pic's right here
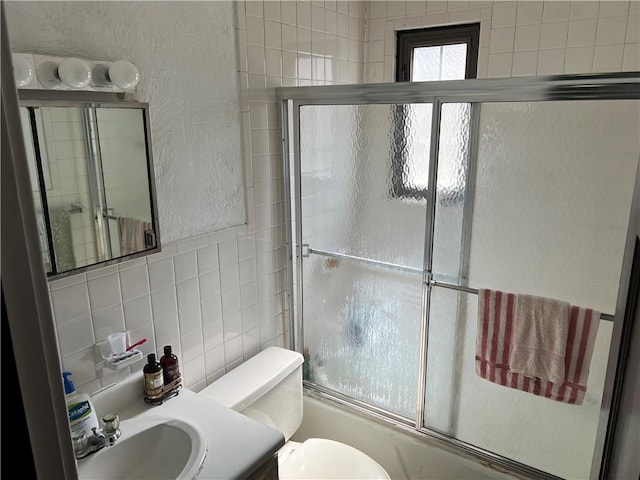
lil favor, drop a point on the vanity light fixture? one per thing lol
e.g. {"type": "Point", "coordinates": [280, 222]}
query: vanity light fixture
{"type": "Point", "coordinates": [74, 73]}
{"type": "Point", "coordinates": [121, 74]}
{"type": "Point", "coordinates": [48, 77]}
{"type": "Point", "coordinates": [71, 73]}
{"type": "Point", "coordinates": [124, 75]}
{"type": "Point", "coordinates": [23, 70]}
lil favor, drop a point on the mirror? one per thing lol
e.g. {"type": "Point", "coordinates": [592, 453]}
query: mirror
{"type": "Point", "coordinates": [91, 173]}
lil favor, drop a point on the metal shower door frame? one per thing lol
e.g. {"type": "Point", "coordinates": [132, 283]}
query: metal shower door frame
{"type": "Point", "coordinates": [475, 92]}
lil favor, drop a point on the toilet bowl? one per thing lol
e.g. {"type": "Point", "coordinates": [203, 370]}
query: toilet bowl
{"type": "Point", "coordinates": [319, 458]}
{"type": "Point", "coordinates": [268, 388]}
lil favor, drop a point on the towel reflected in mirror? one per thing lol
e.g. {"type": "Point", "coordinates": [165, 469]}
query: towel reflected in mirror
{"type": "Point", "coordinates": [131, 234]}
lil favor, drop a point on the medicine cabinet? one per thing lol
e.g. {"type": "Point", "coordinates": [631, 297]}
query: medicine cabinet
{"type": "Point", "coordinates": [91, 171]}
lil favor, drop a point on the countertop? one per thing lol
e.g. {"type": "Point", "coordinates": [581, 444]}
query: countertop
{"type": "Point", "coordinates": [237, 445]}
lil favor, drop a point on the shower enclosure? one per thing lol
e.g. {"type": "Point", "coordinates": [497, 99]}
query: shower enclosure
{"type": "Point", "coordinates": [404, 199]}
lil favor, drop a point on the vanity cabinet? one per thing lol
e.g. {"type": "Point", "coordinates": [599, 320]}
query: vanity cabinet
{"type": "Point", "coordinates": [267, 471]}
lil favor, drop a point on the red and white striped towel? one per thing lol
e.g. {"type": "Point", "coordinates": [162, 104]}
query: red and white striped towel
{"type": "Point", "coordinates": [131, 234]}
{"type": "Point", "coordinates": [496, 312]}
{"type": "Point", "coordinates": [539, 337]}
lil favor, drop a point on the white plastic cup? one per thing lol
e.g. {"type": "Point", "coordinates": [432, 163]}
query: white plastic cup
{"type": "Point", "coordinates": [118, 342]}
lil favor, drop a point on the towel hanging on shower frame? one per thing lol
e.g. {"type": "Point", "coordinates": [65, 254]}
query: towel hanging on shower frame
{"type": "Point", "coordinates": [494, 341]}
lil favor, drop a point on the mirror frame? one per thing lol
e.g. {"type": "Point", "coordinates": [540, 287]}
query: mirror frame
{"type": "Point", "coordinates": [62, 98]}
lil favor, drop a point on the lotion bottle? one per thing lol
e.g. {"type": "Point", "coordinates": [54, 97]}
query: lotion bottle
{"type": "Point", "coordinates": [82, 414]}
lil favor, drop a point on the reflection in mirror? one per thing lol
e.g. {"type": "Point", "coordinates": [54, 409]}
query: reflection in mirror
{"type": "Point", "coordinates": [92, 180]}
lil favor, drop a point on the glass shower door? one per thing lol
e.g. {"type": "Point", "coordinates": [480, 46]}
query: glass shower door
{"type": "Point", "coordinates": [363, 249]}
{"type": "Point", "coordinates": [550, 208]}
{"type": "Point", "coordinates": [402, 211]}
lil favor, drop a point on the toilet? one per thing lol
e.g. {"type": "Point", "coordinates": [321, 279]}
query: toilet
{"type": "Point", "coordinates": [268, 388]}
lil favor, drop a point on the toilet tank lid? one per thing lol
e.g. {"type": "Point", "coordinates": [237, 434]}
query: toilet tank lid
{"type": "Point", "coordinates": [249, 381]}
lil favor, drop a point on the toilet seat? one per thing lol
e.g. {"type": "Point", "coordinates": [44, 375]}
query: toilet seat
{"type": "Point", "coordinates": [319, 458]}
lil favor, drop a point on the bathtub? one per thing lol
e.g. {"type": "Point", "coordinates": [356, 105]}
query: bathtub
{"type": "Point", "coordinates": [402, 454]}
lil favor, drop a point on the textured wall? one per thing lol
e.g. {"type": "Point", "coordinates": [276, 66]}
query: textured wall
{"type": "Point", "coordinates": [217, 298]}
{"type": "Point", "coordinates": [186, 53]}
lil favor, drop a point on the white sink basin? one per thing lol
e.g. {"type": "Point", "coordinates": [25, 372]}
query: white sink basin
{"type": "Point", "coordinates": [150, 447]}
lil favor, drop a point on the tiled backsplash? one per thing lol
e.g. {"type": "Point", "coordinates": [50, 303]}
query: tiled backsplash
{"type": "Point", "coordinates": [217, 299]}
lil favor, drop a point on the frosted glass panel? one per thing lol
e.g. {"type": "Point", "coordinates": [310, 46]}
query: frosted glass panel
{"type": "Point", "coordinates": [362, 322]}
{"type": "Point", "coordinates": [446, 62]}
{"type": "Point", "coordinates": [455, 122]}
{"type": "Point", "coordinates": [426, 64]}
{"type": "Point", "coordinates": [551, 207]}
{"type": "Point", "coordinates": [553, 192]}
{"type": "Point", "coordinates": [454, 61]}
{"type": "Point", "coordinates": [349, 204]}
{"type": "Point", "coordinates": [443, 348]}
{"type": "Point", "coordinates": [414, 130]}
{"type": "Point", "coordinates": [361, 329]}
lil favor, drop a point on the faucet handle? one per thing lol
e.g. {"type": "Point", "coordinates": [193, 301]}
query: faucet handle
{"type": "Point", "coordinates": [80, 442]}
{"type": "Point", "coordinates": [110, 423]}
{"type": "Point", "coordinates": [110, 426]}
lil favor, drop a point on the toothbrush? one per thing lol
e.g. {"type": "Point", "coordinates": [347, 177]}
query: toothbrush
{"type": "Point", "coordinates": [139, 342]}
{"type": "Point", "coordinates": [117, 357]}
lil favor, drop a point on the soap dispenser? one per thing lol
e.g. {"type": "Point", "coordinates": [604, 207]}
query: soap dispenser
{"type": "Point", "coordinates": [82, 414]}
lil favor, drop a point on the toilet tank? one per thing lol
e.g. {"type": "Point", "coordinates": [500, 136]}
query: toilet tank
{"type": "Point", "coordinates": [267, 388]}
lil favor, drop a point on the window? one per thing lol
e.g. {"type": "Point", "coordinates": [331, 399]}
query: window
{"type": "Point", "coordinates": [441, 53]}
{"type": "Point", "coordinates": [429, 54]}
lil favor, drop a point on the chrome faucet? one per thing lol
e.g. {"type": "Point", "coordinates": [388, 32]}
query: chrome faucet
{"type": "Point", "coordinates": [100, 438]}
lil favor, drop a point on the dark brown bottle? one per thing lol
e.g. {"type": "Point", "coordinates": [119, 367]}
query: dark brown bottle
{"type": "Point", "coordinates": [170, 367]}
{"type": "Point", "coordinates": [153, 380]}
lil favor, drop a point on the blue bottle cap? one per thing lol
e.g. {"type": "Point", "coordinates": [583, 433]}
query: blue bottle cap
{"type": "Point", "coordinates": [68, 384]}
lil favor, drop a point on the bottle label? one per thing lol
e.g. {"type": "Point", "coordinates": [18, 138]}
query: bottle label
{"type": "Point", "coordinates": [81, 416]}
{"type": "Point", "coordinates": [171, 373]}
{"type": "Point", "coordinates": [79, 411]}
{"type": "Point", "coordinates": [153, 383]}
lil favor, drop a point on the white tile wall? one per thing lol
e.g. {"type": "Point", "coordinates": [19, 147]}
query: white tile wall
{"type": "Point", "coordinates": [196, 295]}
{"type": "Point", "coordinates": [280, 43]}
{"type": "Point", "coordinates": [219, 298]}
{"type": "Point", "coordinates": [516, 37]}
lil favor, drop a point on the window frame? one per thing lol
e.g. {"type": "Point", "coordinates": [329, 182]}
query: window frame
{"type": "Point", "coordinates": [407, 41]}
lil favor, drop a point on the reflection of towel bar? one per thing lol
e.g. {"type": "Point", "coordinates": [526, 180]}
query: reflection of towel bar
{"type": "Point", "coordinates": [393, 266]}
{"type": "Point", "coordinates": [76, 208]}
{"type": "Point", "coordinates": [105, 214]}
